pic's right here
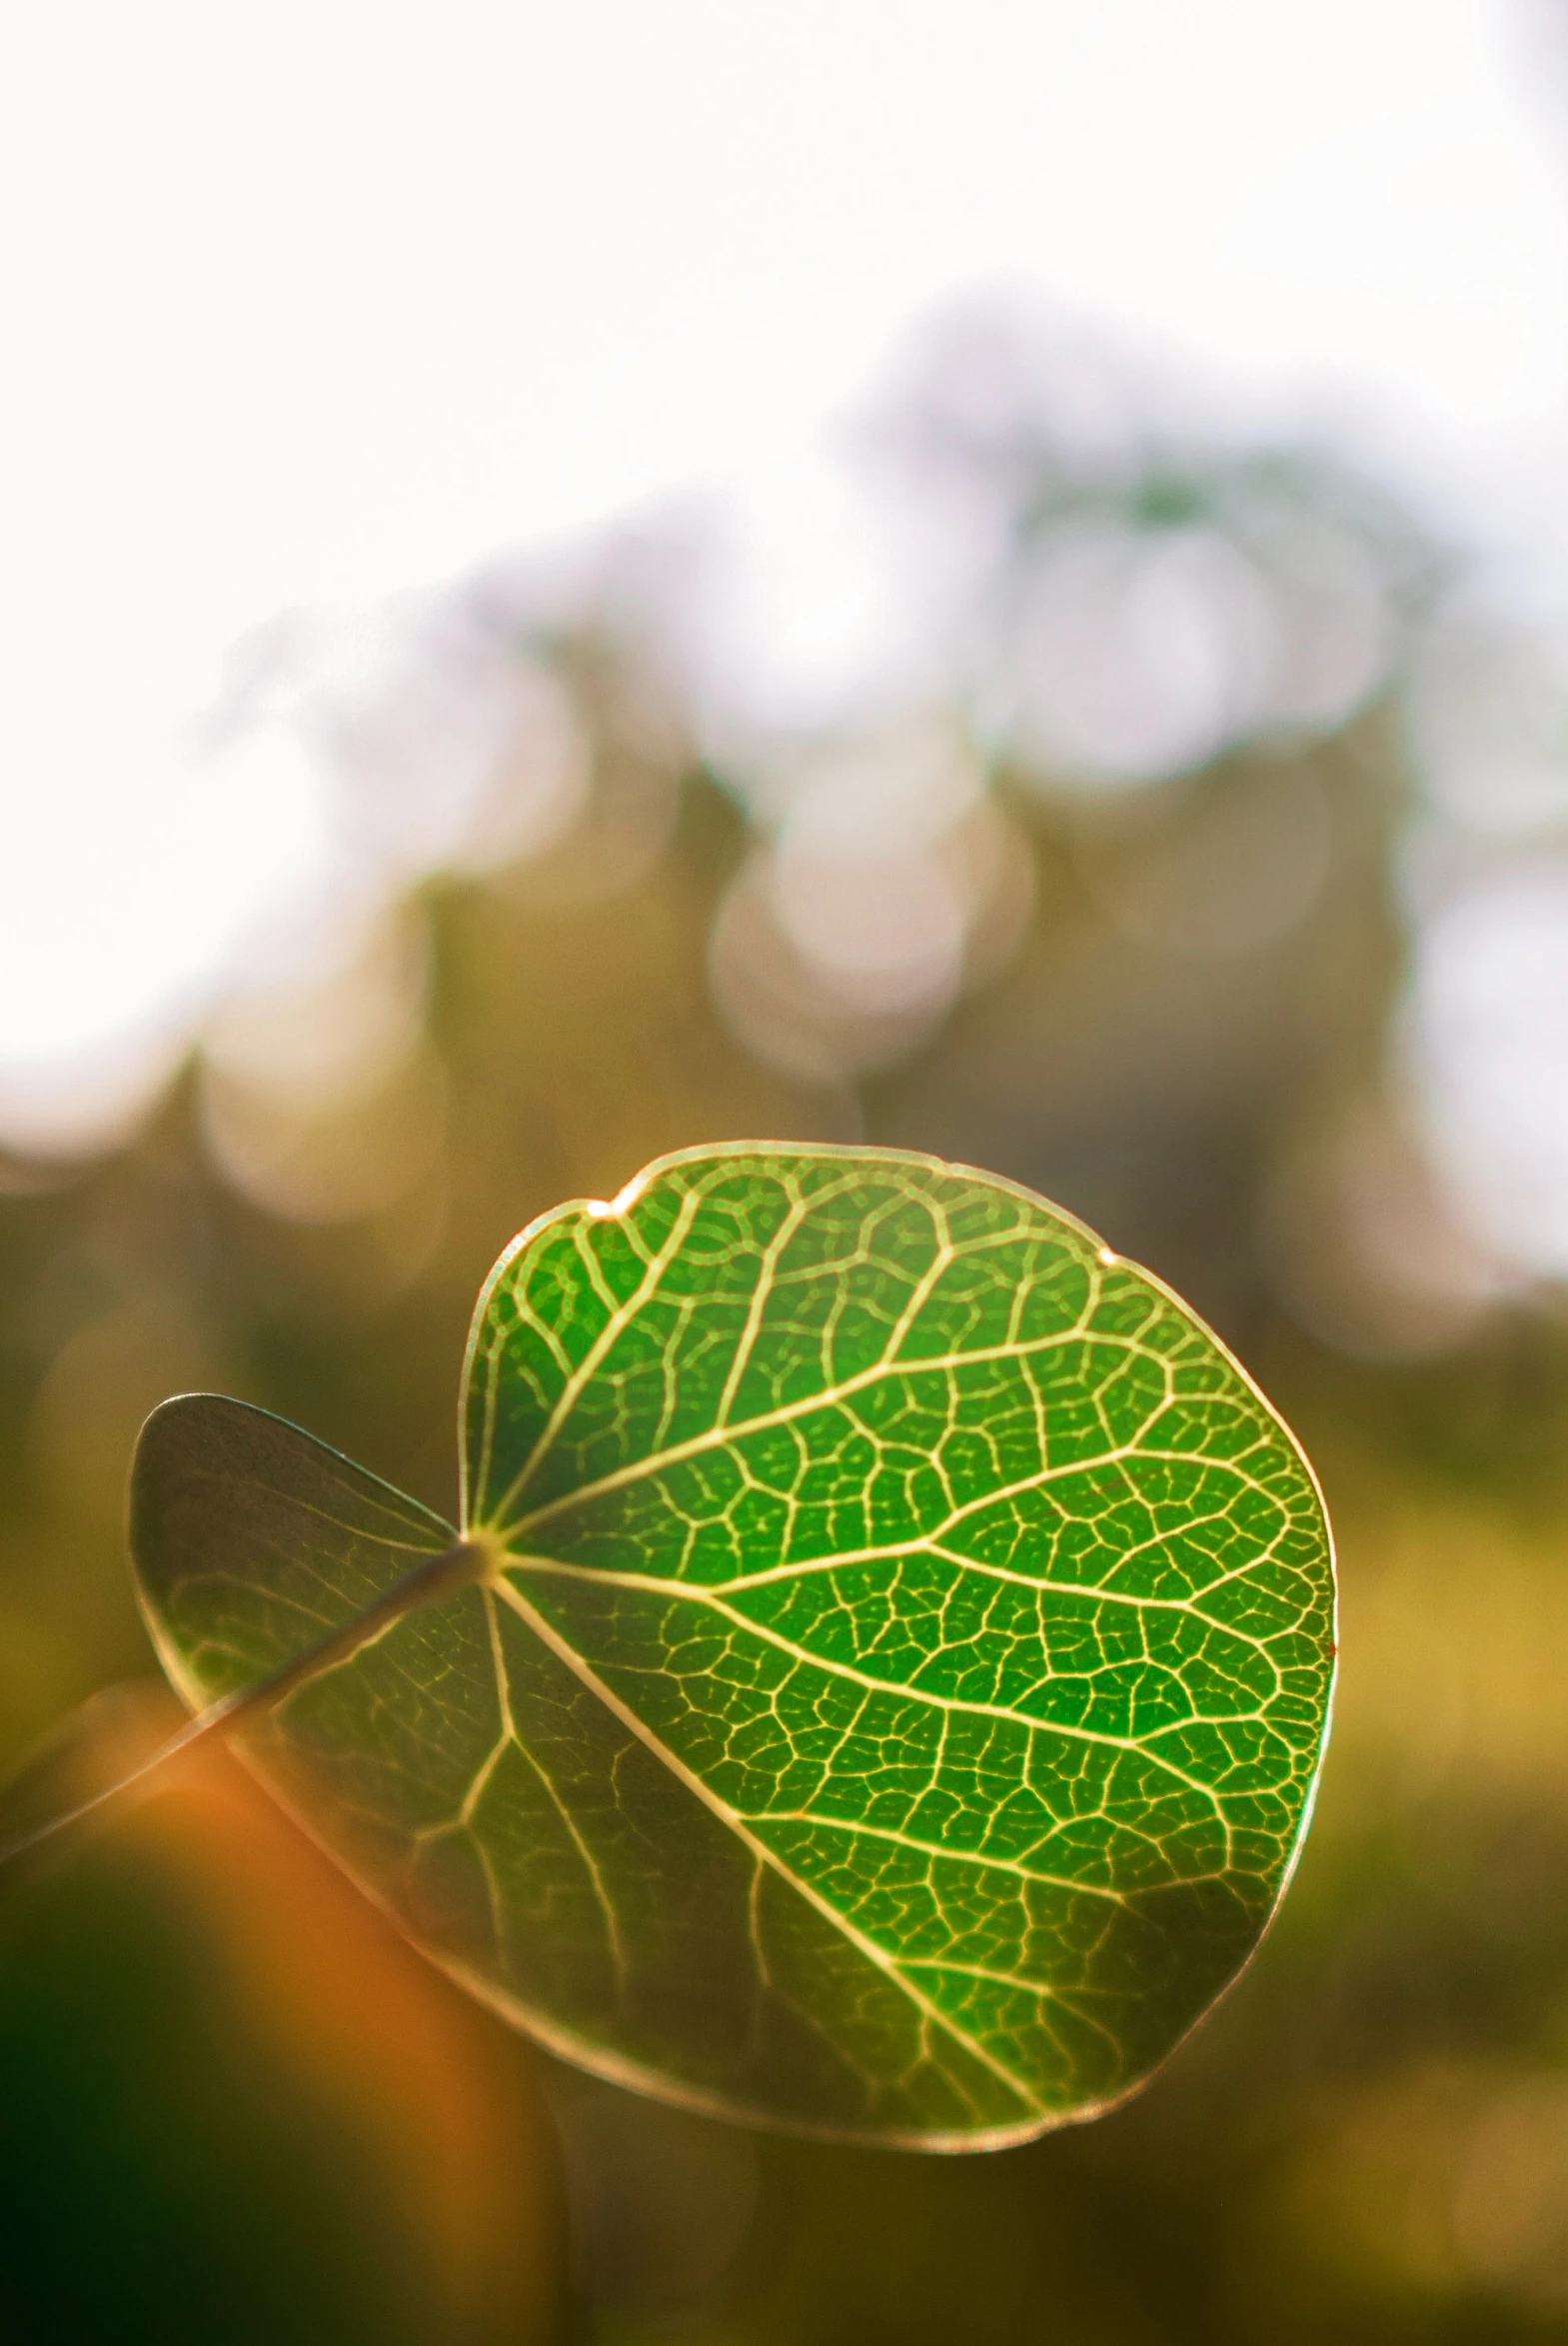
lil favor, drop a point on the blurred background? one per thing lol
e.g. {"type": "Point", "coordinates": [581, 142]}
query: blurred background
{"type": "Point", "coordinates": [989, 580]}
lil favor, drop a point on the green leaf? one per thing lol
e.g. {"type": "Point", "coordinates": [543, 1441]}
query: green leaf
{"type": "Point", "coordinates": [896, 1694]}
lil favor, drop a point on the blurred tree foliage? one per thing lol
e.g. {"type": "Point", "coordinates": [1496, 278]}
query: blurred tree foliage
{"type": "Point", "coordinates": [200, 2132]}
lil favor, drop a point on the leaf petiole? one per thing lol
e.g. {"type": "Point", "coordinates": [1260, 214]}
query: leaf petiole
{"type": "Point", "coordinates": [462, 1565]}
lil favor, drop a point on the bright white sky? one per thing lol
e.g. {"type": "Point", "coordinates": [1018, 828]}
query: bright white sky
{"type": "Point", "coordinates": [311, 303]}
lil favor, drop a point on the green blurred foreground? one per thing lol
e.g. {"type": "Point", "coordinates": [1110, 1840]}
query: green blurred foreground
{"type": "Point", "coordinates": [231, 2105]}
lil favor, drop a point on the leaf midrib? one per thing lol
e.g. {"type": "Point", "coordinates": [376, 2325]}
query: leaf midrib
{"type": "Point", "coordinates": [707, 1592]}
{"type": "Point", "coordinates": [945, 1703]}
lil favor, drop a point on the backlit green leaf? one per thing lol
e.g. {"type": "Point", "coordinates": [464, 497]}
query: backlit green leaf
{"type": "Point", "coordinates": [895, 1697]}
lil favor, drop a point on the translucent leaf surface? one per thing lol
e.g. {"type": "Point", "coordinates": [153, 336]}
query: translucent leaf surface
{"type": "Point", "coordinates": [903, 1673]}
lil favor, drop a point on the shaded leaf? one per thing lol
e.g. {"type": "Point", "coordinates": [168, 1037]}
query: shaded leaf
{"type": "Point", "coordinates": [896, 1699]}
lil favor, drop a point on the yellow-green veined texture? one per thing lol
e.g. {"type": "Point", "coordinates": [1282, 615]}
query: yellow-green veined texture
{"type": "Point", "coordinates": [896, 1698]}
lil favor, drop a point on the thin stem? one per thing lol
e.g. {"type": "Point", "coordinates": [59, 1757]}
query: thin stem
{"type": "Point", "coordinates": [455, 1567]}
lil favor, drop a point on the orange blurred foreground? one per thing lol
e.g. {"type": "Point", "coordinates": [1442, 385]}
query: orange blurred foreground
{"type": "Point", "coordinates": [291, 2010]}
